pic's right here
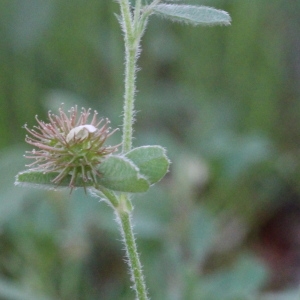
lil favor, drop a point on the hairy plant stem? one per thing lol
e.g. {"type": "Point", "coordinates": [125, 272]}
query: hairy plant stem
{"type": "Point", "coordinates": [122, 207]}
{"type": "Point", "coordinates": [134, 263]}
{"type": "Point", "coordinates": [133, 27]}
{"type": "Point", "coordinates": [131, 40]}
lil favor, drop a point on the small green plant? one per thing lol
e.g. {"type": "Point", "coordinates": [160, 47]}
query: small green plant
{"type": "Point", "coordinates": [70, 151]}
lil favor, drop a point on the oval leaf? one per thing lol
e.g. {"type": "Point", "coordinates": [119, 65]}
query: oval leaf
{"type": "Point", "coordinates": [152, 162]}
{"type": "Point", "coordinates": [118, 174]}
{"type": "Point", "coordinates": [38, 179]}
{"type": "Point", "coordinates": [195, 15]}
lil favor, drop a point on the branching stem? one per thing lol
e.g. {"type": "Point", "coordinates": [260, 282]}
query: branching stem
{"type": "Point", "coordinates": [133, 26]}
{"type": "Point", "coordinates": [131, 39]}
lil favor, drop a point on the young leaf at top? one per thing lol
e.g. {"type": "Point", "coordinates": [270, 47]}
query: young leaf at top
{"type": "Point", "coordinates": [152, 162]}
{"type": "Point", "coordinates": [195, 15]}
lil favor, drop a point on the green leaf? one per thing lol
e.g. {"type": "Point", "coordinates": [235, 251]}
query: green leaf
{"type": "Point", "coordinates": [195, 15]}
{"type": "Point", "coordinates": [39, 179]}
{"type": "Point", "coordinates": [152, 162]}
{"type": "Point", "coordinates": [118, 174]}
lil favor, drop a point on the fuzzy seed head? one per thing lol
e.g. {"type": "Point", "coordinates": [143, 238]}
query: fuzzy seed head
{"type": "Point", "coordinates": [70, 144]}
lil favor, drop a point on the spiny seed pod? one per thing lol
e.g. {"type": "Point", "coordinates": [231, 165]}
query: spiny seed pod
{"type": "Point", "coordinates": [69, 145]}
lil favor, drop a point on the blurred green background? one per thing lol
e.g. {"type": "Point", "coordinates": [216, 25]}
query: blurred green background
{"type": "Point", "coordinates": [225, 222]}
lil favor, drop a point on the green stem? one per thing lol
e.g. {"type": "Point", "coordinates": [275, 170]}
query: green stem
{"type": "Point", "coordinates": [132, 254]}
{"type": "Point", "coordinates": [132, 26]}
{"type": "Point", "coordinates": [123, 208]}
{"type": "Point", "coordinates": [137, 11]}
{"type": "Point", "coordinates": [131, 39]}
{"type": "Point", "coordinates": [110, 196]}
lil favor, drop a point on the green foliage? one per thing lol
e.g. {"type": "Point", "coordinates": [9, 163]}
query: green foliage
{"type": "Point", "coordinates": [194, 15]}
{"type": "Point", "coordinates": [122, 175]}
{"type": "Point", "coordinates": [151, 161]}
{"type": "Point", "coordinates": [132, 173]}
{"type": "Point", "coordinates": [118, 174]}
